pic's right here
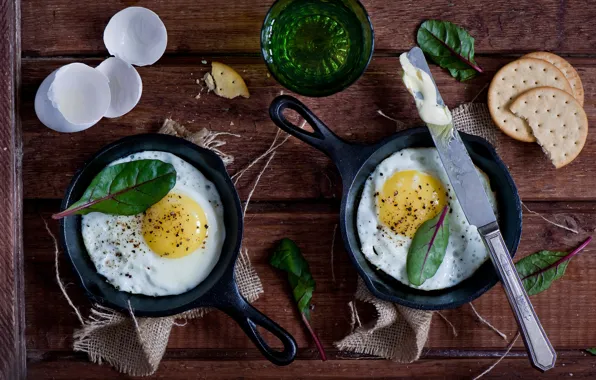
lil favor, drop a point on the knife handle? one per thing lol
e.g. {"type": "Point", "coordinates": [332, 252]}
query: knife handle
{"type": "Point", "coordinates": [542, 353]}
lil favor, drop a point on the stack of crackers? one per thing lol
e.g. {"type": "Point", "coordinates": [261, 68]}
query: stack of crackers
{"type": "Point", "coordinates": [539, 98]}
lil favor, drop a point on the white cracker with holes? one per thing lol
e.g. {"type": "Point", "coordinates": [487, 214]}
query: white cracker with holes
{"type": "Point", "coordinates": [567, 70]}
{"type": "Point", "coordinates": [511, 81]}
{"type": "Point", "coordinates": [557, 120]}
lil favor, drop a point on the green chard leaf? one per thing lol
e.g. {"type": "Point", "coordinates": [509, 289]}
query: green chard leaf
{"type": "Point", "coordinates": [539, 270]}
{"type": "Point", "coordinates": [591, 350]}
{"type": "Point", "coordinates": [125, 189]}
{"type": "Point", "coordinates": [287, 257]}
{"type": "Point", "coordinates": [428, 248]}
{"type": "Point", "coordinates": [450, 47]}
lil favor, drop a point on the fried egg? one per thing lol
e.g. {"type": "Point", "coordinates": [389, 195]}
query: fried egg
{"type": "Point", "coordinates": [171, 247]}
{"type": "Point", "coordinates": [405, 190]}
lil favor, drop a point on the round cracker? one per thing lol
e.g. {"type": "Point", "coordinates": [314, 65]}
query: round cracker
{"type": "Point", "coordinates": [567, 70]}
{"type": "Point", "coordinates": [512, 80]}
{"type": "Point", "coordinates": [557, 120]}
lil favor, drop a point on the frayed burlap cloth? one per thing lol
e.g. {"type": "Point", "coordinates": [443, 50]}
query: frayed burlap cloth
{"type": "Point", "coordinates": [474, 119]}
{"type": "Point", "coordinates": [135, 346]}
{"type": "Point", "coordinates": [399, 333]}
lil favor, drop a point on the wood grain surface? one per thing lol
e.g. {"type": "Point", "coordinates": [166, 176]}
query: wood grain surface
{"type": "Point", "coordinates": [12, 344]}
{"type": "Point", "coordinates": [581, 367]}
{"type": "Point", "coordinates": [204, 27]}
{"type": "Point", "coordinates": [298, 196]}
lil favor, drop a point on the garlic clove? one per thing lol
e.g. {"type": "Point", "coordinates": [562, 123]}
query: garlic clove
{"type": "Point", "coordinates": [125, 86]}
{"type": "Point", "coordinates": [72, 98]}
{"type": "Point", "coordinates": [136, 35]}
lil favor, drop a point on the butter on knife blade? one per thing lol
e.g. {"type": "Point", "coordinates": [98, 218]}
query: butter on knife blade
{"type": "Point", "coordinates": [424, 90]}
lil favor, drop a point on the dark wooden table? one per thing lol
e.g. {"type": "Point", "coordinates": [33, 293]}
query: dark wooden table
{"type": "Point", "coordinates": [298, 196]}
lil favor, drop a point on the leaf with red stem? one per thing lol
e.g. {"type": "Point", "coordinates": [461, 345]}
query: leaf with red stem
{"type": "Point", "coordinates": [287, 257]}
{"type": "Point", "coordinates": [449, 46]}
{"type": "Point", "coordinates": [427, 251]}
{"type": "Point", "coordinates": [539, 270]}
{"type": "Point", "coordinates": [127, 188]}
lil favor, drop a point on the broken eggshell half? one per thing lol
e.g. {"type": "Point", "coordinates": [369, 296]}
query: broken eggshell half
{"type": "Point", "coordinates": [125, 86]}
{"type": "Point", "coordinates": [136, 35]}
{"type": "Point", "coordinates": [72, 98]}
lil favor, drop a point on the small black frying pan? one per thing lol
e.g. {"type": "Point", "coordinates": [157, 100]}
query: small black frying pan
{"type": "Point", "coordinates": [356, 162]}
{"type": "Point", "coordinates": [218, 290]}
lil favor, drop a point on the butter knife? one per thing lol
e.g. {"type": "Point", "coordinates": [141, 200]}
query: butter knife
{"type": "Point", "coordinates": [474, 201]}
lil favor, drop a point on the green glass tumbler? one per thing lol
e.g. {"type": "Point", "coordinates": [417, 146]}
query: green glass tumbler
{"type": "Point", "coordinates": [317, 47]}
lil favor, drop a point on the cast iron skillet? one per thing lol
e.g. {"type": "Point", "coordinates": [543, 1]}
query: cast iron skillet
{"type": "Point", "coordinates": [355, 163]}
{"type": "Point", "coordinates": [218, 290]}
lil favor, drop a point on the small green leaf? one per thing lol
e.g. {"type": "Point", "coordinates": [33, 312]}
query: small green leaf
{"type": "Point", "coordinates": [428, 248]}
{"type": "Point", "coordinates": [539, 270]}
{"type": "Point", "coordinates": [591, 350]}
{"type": "Point", "coordinates": [287, 257]}
{"type": "Point", "coordinates": [450, 47]}
{"type": "Point", "coordinates": [125, 189]}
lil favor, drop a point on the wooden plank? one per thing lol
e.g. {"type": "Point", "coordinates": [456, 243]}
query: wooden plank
{"type": "Point", "coordinates": [170, 89]}
{"type": "Point", "coordinates": [12, 344]}
{"type": "Point", "coordinates": [563, 355]}
{"type": "Point", "coordinates": [566, 309]}
{"type": "Point", "coordinates": [199, 26]}
{"type": "Point", "coordinates": [510, 368]}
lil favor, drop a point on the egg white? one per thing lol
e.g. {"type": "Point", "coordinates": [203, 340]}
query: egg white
{"type": "Point", "coordinates": [120, 254]}
{"type": "Point", "coordinates": [465, 251]}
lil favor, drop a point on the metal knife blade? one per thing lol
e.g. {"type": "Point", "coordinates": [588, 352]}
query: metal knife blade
{"type": "Point", "coordinates": [474, 201]}
{"type": "Point", "coordinates": [458, 164]}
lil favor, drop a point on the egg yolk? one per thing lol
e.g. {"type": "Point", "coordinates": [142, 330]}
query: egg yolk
{"type": "Point", "coordinates": [408, 199]}
{"type": "Point", "coordinates": [175, 226]}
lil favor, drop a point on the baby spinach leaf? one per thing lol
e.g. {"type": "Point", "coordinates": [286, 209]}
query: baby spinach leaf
{"type": "Point", "coordinates": [539, 270]}
{"type": "Point", "coordinates": [287, 257]}
{"type": "Point", "coordinates": [450, 47]}
{"type": "Point", "coordinates": [591, 350]}
{"type": "Point", "coordinates": [428, 248]}
{"type": "Point", "coordinates": [125, 189]}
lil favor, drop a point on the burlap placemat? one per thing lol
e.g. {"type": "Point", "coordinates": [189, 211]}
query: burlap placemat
{"type": "Point", "coordinates": [399, 333]}
{"type": "Point", "coordinates": [474, 119]}
{"type": "Point", "coordinates": [135, 346]}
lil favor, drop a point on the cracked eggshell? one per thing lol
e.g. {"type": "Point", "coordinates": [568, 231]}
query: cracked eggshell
{"type": "Point", "coordinates": [136, 35]}
{"type": "Point", "coordinates": [125, 86]}
{"type": "Point", "coordinates": [72, 98]}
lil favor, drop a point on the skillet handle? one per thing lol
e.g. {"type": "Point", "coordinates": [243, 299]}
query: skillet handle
{"type": "Point", "coordinates": [322, 138]}
{"type": "Point", "coordinates": [248, 318]}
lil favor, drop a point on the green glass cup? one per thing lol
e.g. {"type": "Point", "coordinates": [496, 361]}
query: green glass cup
{"type": "Point", "coordinates": [317, 47]}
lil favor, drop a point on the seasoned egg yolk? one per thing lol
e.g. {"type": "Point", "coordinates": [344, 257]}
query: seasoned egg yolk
{"type": "Point", "coordinates": [175, 226]}
{"type": "Point", "coordinates": [408, 199]}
